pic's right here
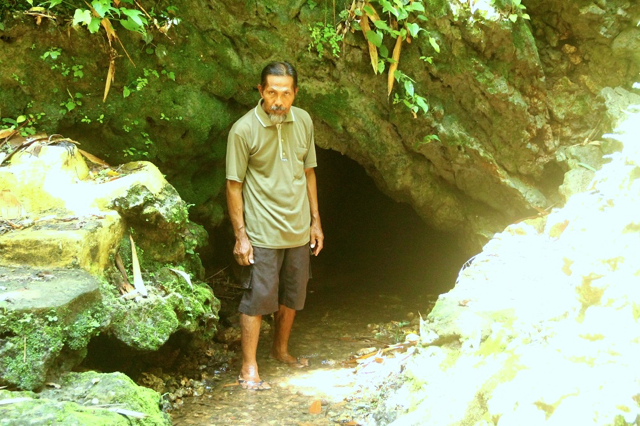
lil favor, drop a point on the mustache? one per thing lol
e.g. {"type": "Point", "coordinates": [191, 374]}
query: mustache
{"type": "Point", "coordinates": [277, 108]}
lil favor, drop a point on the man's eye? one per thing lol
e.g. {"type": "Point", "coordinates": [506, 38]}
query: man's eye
{"type": "Point", "coordinates": [286, 93]}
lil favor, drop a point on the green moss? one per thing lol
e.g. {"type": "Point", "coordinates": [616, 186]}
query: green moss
{"type": "Point", "coordinates": [328, 107]}
{"type": "Point", "coordinates": [34, 340]}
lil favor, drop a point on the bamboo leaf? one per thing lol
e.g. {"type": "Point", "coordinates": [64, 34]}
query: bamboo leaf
{"type": "Point", "coordinates": [394, 66]}
{"type": "Point", "coordinates": [373, 51]}
{"type": "Point", "coordinates": [137, 273]}
{"type": "Point", "coordinates": [110, 77]}
{"type": "Point", "coordinates": [92, 158]}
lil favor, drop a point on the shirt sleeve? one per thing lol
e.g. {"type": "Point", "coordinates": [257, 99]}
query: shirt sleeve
{"type": "Point", "coordinates": [310, 159]}
{"type": "Point", "coordinates": [237, 156]}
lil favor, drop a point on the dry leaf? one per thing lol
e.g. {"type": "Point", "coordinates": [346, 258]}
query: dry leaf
{"type": "Point", "coordinates": [373, 50]}
{"type": "Point", "coordinates": [137, 274]}
{"type": "Point", "coordinates": [6, 132]}
{"type": "Point", "coordinates": [394, 66]}
{"type": "Point", "coordinates": [315, 407]}
{"type": "Point", "coordinates": [183, 275]}
{"type": "Point", "coordinates": [14, 400]}
{"type": "Point", "coordinates": [53, 385]}
{"type": "Point", "coordinates": [111, 75]}
{"type": "Point", "coordinates": [92, 158]}
{"type": "Point", "coordinates": [128, 413]}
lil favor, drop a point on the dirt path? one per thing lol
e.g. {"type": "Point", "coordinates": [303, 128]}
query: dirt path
{"type": "Point", "coordinates": [337, 324]}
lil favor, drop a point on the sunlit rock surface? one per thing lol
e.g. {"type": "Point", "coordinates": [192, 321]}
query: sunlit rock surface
{"type": "Point", "coordinates": [543, 326]}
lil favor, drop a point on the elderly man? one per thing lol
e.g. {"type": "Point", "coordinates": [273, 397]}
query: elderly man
{"type": "Point", "coordinates": [273, 206]}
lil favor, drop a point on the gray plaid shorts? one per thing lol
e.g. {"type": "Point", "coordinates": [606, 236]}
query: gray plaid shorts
{"type": "Point", "coordinates": [277, 277]}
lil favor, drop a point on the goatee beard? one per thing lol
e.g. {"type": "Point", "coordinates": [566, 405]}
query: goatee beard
{"type": "Point", "coordinates": [277, 118]}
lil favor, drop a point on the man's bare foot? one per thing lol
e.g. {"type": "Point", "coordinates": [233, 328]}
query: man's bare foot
{"type": "Point", "coordinates": [290, 360]}
{"type": "Point", "coordinates": [253, 385]}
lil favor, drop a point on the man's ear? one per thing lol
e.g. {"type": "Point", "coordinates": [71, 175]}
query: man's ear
{"type": "Point", "coordinates": [260, 89]}
{"type": "Point", "coordinates": [295, 92]}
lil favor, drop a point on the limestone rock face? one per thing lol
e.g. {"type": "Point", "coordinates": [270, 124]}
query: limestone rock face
{"type": "Point", "coordinates": [543, 326]}
{"type": "Point", "coordinates": [504, 98]}
{"type": "Point", "coordinates": [65, 248]}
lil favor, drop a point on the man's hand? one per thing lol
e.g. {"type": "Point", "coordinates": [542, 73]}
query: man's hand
{"type": "Point", "coordinates": [317, 239]}
{"type": "Point", "coordinates": [243, 251]}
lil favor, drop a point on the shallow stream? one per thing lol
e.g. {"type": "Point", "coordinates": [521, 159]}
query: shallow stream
{"type": "Point", "coordinates": [341, 321]}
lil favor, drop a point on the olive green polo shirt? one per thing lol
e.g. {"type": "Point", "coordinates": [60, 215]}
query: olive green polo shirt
{"type": "Point", "coordinates": [270, 160]}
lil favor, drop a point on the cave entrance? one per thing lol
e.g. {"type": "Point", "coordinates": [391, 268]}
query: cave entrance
{"type": "Point", "coordinates": [373, 244]}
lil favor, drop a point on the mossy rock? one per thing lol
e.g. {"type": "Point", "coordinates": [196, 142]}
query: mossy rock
{"type": "Point", "coordinates": [88, 398]}
{"type": "Point", "coordinates": [47, 320]}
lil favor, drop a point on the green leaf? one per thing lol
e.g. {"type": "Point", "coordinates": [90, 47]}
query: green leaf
{"type": "Point", "coordinates": [513, 17]}
{"type": "Point", "coordinates": [125, 92]}
{"type": "Point", "coordinates": [54, 3]}
{"type": "Point", "coordinates": [384, 52]}
{"type": "Point", "coordinates": [100, 7]}
{"type": "Point", "coordinates": [423, 18]}
{"type": "Point", "coordinates": [369, 10]}
{"type": "Point", "coordinates": [134, 15]}
{"type": "Point", "coordinates": [382, 25]}
{"type": "Point", "coordinates": [356, 26]}
{"type": "Point", "coordinates": [21, 119]}
{"type": "Point", "coordinates": [132, 26]}
{"type": "Point", "coordinates": [374, 38]}
{"type": "Point", "coordinates": [82, 17]}
{"type": "Point", "coordinates": [526, 16]}
{"type": "Point", "coordinates": [517, 2]}
{"type": "Point", "coordinates": [414, 29]}
{"type": "Point", "coordinates": [408, 87]}
{"type": "Point", "coordinates": [172, 76]}
{"type": "Point", "coordinates": [94, 26]}
{"type": "Point", "coordinates": [358, 12]}
{"type": "Point", "coordinates": [70, 106]}
{"type": "Point", "coordinates": [1, 26]}
{"type": "Point", "coordinates": [415, 6]}
{"type": "Point", "coordinates": [422, 103]}
{"type": "Point", "coordinates": [434, 44]}
{"type": "Point", "coordinates": [380, 67]}
{"type": "Point", "coordinates": [406, 102]}
{"type": "Point", "coordinates": [78, 95]}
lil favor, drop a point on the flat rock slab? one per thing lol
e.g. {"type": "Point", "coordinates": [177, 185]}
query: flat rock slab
{"type": "Point", "coordinates": [48, 317]}
{"type": "Point", "coordinates": [40, 289]}
{"type": "Point", "coordinates": [61, 242]}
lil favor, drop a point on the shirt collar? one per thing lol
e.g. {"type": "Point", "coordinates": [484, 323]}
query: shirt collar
{"type": "Point", "coordinates": [264, 119]}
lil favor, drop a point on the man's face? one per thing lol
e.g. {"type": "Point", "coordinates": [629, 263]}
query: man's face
{"type": "Point", "coordinates": [278, 95]}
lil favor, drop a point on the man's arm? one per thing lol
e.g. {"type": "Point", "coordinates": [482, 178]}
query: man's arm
{"type": "Point", "coordinates": [243, 250]}
{"type": "Point", "coordinates": [317, 237]}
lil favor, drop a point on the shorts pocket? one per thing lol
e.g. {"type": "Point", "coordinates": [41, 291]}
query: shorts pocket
{"type": "Point", "coordinates": [246, 273]}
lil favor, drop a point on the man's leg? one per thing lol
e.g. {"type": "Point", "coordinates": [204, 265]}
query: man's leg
{"type": "Point", "coordinates": [283, 323]}
{"type": "Point", "coordinates": [250, 331]}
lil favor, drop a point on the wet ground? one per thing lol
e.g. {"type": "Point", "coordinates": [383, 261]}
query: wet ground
{"type": "Point", "coordinates": [341, 322]}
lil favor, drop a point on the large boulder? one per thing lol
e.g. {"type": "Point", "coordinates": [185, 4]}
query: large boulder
{"type": "Point", "coordinates": [80, 399]}
{"type": "Point", "coordinates": [67, 253]}
{"type": "Point", "coordinates": [543, 326]}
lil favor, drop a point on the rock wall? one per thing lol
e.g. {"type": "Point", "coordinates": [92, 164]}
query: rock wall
{"type": "Point", "coordinates": [506, 98]}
